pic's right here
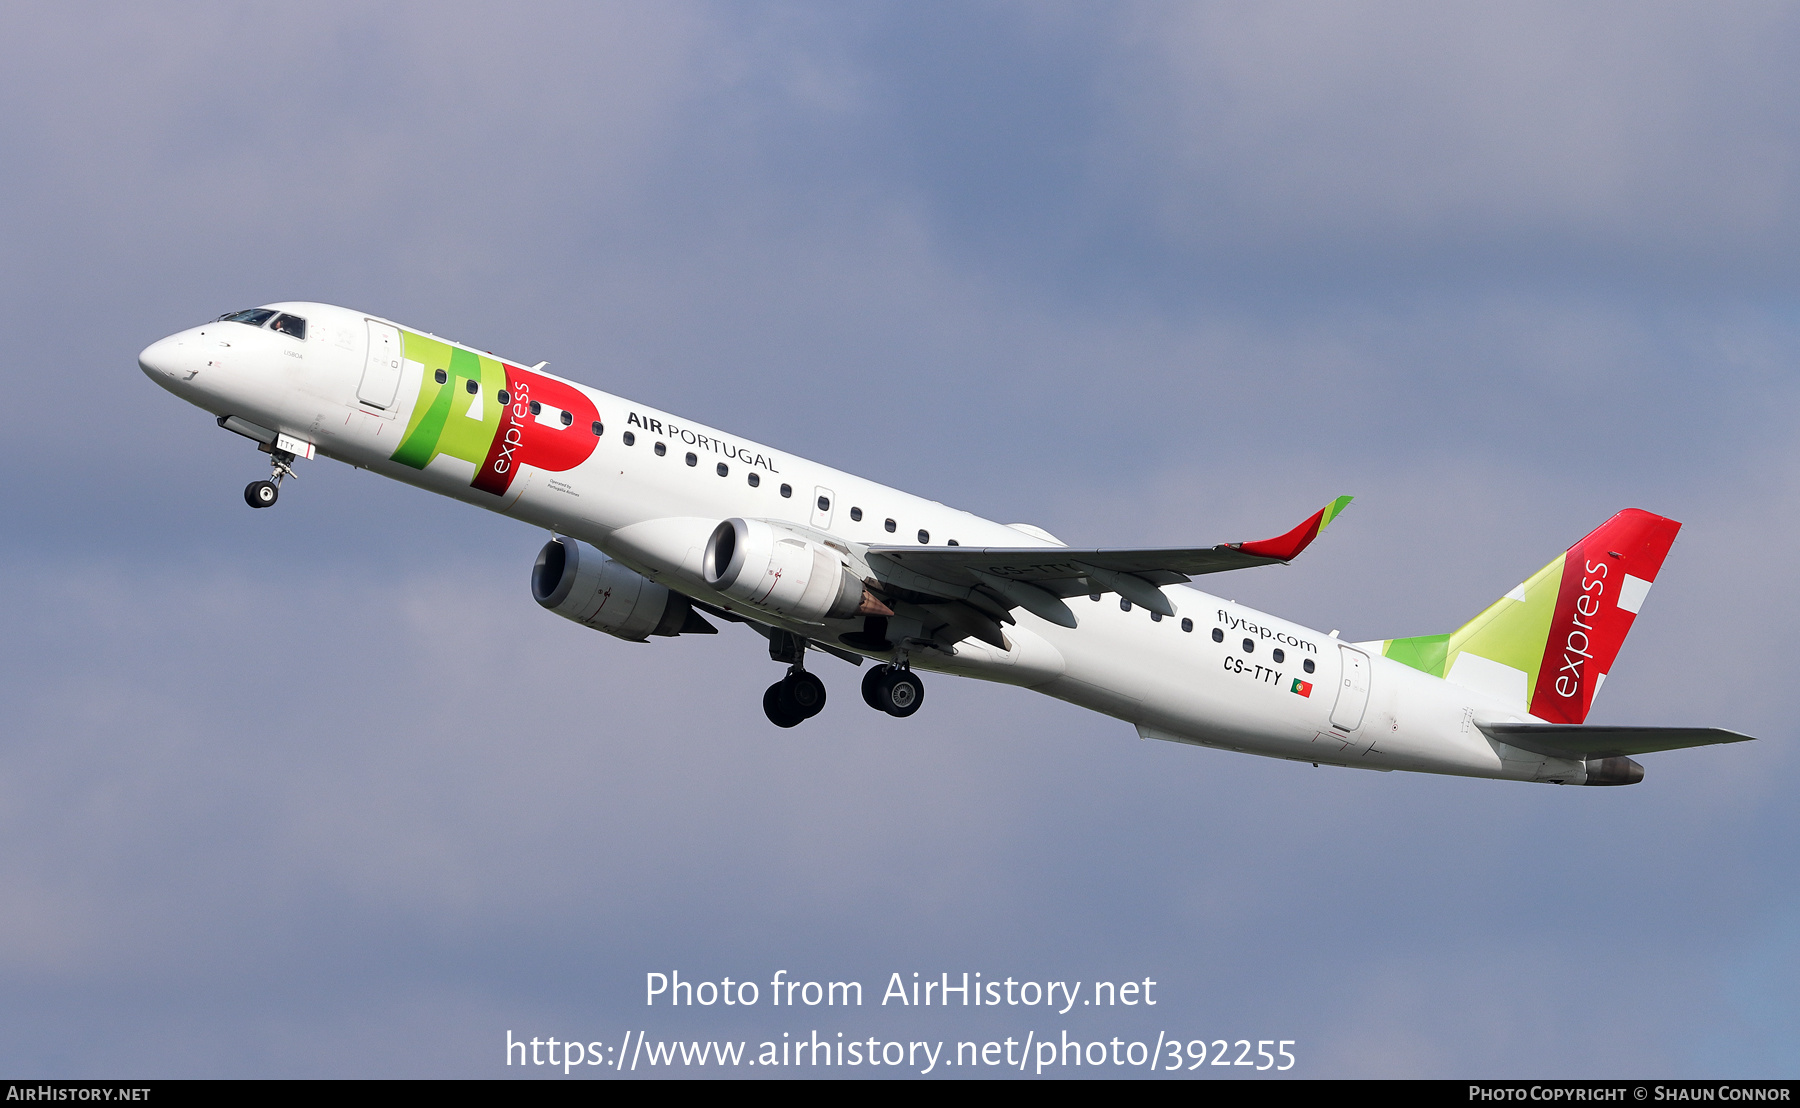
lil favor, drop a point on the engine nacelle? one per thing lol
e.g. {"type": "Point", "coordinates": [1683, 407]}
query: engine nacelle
{"type": "Point", "coordinates": [578, 582]}
{"type": "Point", "coordinates": [749, 560]}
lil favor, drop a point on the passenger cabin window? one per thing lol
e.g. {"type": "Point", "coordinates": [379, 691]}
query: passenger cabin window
{"type": "Point", "coordinates": [755, 479]}
{"type": "Point", "coordinates": [787, 490]}
{"type": "Point", "coordinates": [691, 460]}
{"type": "Point", "coordinates": [440, 377]}
{"type": "Point", "coordinates": [1124, 604]}
{"type": "Point", "coordinates": [505, 397]}
{"type": "Point", "coordinates": [1155, 617]}
{"type": "Point", "coordinates": [824, 503]}
{"type": "Point", "coordinates": [473, 386]}
{"type": "Point", "coordinates": [1249, 646]}
{"type": "Point", "coordinates": [889, 525]}
{"type": "Point", "coordinates": [1307, 665]}
{"type": "Point", "coordinates": [1218, 634]}
{"type": "Point", "coordinates": [629, 438]}
{"type": "Point", "coordinates": [1187, 625]}
{"type": "Point", "coordinates": [567, 418]}
{"type": "Point", "coordinates": [661, 449]}
{"type": "Point", "coordinates": [924, 538]}
{"type": "Point", "coordinates": [1279, 655]}
{"type": "Point", "coordinates": [289, 325]}
{"type": "Point", "coordinates": [953, 542]}
{"type": "Point", "coordinates": [255, 317]}
{"type": "Point", "coordinates": [856, 515]}
{"type": "Point", "coordinates": [535, 407]}
{"type": "Point", "coordinates": [724, 470]}
{"type": "Point", "coordinates": [599, 428]}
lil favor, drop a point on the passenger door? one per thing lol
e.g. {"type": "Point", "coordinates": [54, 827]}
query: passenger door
{"type": "Point", "coordinates": [381, 370]}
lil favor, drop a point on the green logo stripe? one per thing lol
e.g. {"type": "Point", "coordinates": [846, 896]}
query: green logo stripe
{"type": "Point", "coordinates": [1511, 631]}
{"type": "Point", "coordinates": [1426, 652]}
{"type": "Point", "coordinates": [1332, 510]}
{"type": "Point", "coordinates": [420, 444]}
{"type": "Point", "coordinates": [449, 418]}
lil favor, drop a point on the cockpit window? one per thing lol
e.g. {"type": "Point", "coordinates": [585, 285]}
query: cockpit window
{"type": "Point", "coordinates": [255, 317]}
{"type": "Point", "coordinates": [289, 325]}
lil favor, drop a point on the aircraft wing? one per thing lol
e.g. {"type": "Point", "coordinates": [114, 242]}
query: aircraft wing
{"type": "Point", "coordinates": [1580, 741]}
{"type": "Point", "coordinates": [1036, 578]}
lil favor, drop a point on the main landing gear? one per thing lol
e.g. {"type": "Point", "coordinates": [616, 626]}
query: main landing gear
{"type": "Point", "coordinates": [801, 695]}
{"type": "Point", "coordinates": [798, 696]}
{"type": "Point", "coordinates": [261, 494]}
{"type": "Point", "coordinates": [894, 690]}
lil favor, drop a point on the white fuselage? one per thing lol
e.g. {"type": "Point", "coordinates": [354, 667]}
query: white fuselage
{"type": "Point", "coordinates": [1198, 685]}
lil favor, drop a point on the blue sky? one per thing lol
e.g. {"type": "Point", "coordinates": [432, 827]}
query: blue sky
{"type": "Point", "coordinates": [319, 792]}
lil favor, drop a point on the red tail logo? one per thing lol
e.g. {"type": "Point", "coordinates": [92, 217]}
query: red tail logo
{"type": "Point", "coordinates": [1604, 580]}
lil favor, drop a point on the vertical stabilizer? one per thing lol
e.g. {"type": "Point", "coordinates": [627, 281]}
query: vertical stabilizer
{"type": "Point", "coordinates": [1548, 645]}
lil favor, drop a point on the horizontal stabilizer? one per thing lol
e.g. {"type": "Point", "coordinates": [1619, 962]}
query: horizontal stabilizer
{"type": "Point", "coordinates": [1555, 740]}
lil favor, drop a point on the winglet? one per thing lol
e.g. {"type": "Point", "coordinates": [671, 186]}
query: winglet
{"type": "Point", "coordinates": [1287, 546]}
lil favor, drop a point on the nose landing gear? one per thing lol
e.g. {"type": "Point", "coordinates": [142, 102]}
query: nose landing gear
{"type": "Point", "coordinates": [894, 690]}
{"type": "Point", "coordinates": [261, 494]}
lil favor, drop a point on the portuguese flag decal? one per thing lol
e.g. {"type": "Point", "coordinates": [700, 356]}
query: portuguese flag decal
{"type": "Point", "coordinates": [1304, 688]}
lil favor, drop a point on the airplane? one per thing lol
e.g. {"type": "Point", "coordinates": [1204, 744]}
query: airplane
{"type": "Point", "coordinates": [659, 523]}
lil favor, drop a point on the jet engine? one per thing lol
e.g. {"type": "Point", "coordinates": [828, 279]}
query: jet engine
{"type": "Point", "coordinates": [749, 560]}
{"type": "Point", "coordinates": [578, 582]}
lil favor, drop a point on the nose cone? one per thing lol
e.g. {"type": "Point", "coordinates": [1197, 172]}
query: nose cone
{"type": "Point", "coordinates": [176, 362]}
{"type": "Point", "coordinates": [162, 358]}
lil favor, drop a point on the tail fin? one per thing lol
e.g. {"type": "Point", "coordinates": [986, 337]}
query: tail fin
{"type": "Point", "coordinates": [1548, 644]}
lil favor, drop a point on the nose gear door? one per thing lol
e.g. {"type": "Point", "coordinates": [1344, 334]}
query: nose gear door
{"type": "Point", "coordinates": [381, 370]}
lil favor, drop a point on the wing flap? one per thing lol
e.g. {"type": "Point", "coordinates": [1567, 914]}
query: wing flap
{"type": "Point", "coordinates": [1582, 741]}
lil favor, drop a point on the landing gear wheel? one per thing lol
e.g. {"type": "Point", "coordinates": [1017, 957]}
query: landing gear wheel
{"type": "Point", "coordinates": [894, 691]}
{"type": "Point", "coordinates": [261, 494]}
{"type": "Point", "coordinates": [802, 694]}
{"type": "Point", "coordinates": [871, 687]}
{"type": "Point", "coordinates": [778, 712]}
